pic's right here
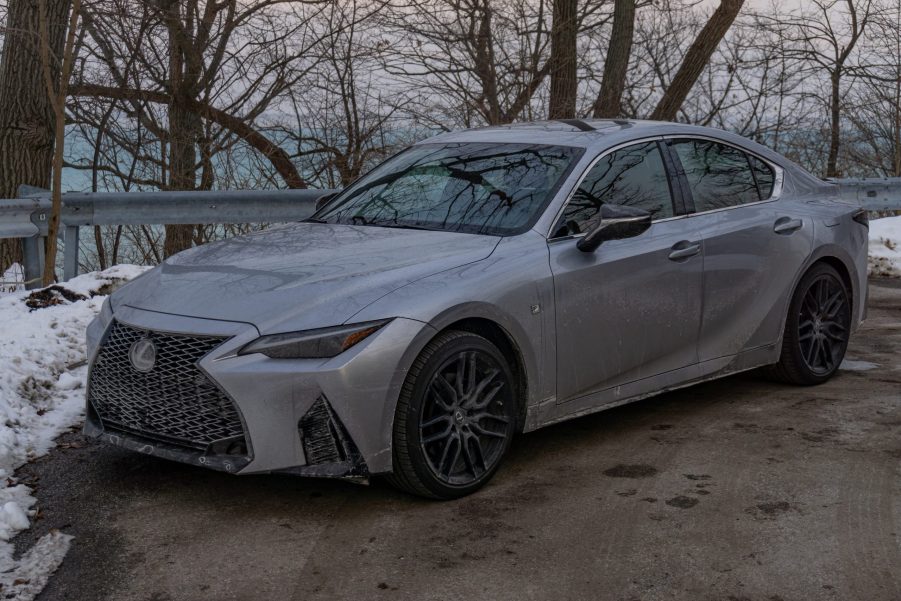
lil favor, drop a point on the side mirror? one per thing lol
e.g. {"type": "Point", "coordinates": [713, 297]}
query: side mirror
{"type": "Point", "coordinates": [617, 222]}
{"type": "Point", "coordinates": [324, 200]}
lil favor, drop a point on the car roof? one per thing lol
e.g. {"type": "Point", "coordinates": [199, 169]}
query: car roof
{"type": "Point", "coordinates": [594, 134]}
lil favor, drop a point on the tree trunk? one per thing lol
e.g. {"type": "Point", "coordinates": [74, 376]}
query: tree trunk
{"type": "Point", "coordinates": [696, 59]}
{"type": "Point", "coordinates": [185, 129]}
{"type": "Point", "coordinates": [185, 126]}
{"type": "Point", "coordinates": [616, 64]}
{"type": "Point", "coordinates": [26, 112]}
{"type": "Point", "coordinates": [485, 66]}
{"type": "Point", "coordinates": [834, 123]}
{"type": "Point", "coordinates": [562, 103]}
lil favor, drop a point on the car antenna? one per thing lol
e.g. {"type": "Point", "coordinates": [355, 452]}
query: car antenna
{"type": "Point", "coordinates": [577, 123]}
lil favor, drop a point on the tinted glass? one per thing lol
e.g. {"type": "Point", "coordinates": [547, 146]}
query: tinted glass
{"type": "Point", "coordinates": [766, 177]}
{"type": "Point", "coordinates": [718, 175]}
{"type": "Point", "coordinates": [479, 188]}
{"type": "Point", "coordinates": [633, 176]}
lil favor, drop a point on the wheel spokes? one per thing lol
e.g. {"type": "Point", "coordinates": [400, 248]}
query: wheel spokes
{"type": "Point", "coordinates": [464, 398]}
{"type": "Point", "coordinates": [823, 324]}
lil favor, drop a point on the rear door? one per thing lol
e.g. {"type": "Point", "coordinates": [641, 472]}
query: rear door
{"type": "Point", "coordinates": [753, 244]}
{"type": "Point", "coordinates": [632, 308]}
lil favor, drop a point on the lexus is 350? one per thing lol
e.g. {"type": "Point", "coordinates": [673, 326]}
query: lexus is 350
{"type": "Point", "coordinates": [475, 286]}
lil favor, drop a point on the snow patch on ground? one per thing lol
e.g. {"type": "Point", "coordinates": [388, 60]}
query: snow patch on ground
{"type": "Point", "coordinates": [885, 247]}
{"type": "Point", "coordinates": [854, 365]}
{"type": "Point", "coordinates": [42, 377]}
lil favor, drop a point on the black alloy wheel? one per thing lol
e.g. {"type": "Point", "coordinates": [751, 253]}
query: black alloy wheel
{"type": "Point", "coordinates": [455, 418]}
{"type": "Point", "coordinates": [463, 424]}
{"type": "Point", "coordinates": [823, 325]}
{"type": "Point", "coordinates": [817, 328]}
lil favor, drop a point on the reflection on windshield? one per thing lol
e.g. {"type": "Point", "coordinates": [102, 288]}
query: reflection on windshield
{"type": "Point", "coordinates": [483, 188]}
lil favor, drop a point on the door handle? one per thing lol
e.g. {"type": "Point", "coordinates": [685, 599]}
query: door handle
{"type": "Point", "coordinates": [787, 225]}
{"type": "Point", "coordinates": [684, 249]}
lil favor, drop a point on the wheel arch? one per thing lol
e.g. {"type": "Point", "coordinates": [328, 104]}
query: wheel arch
{"type": "Point", "coordinates": [504, 341]}
{"type": "Point", "coordinates": [838, 259]}
{"type": "Point", "coordinates": [843, 271]}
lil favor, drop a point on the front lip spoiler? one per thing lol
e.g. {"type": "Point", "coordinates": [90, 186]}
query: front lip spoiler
{"type": "Point", "coordinates": [132, 442]}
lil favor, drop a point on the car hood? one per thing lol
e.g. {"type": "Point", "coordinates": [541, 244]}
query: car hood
{"type": "Point", "coordinates": [299, 276]}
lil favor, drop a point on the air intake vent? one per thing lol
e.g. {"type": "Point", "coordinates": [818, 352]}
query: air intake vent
{"type": "Point", "coordinates": [324, 438]}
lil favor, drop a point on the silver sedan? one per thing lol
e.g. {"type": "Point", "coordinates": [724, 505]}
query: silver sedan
{"type": "Point", "coordinates": [478, 285]}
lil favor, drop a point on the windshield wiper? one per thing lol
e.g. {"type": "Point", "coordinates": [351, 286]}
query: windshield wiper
{"type": "Point", "coordinates": [403, 226]}
{"type": "Point", "coordinates": [314, 220]}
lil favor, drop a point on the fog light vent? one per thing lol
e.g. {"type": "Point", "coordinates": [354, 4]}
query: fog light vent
{"type": "Point", "coordinates": [323, 436]}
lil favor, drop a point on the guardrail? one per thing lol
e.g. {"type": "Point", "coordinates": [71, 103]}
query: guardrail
{"type": "Point", "coordinates": [27, 217]}
{"type": "Point", "coordinates": [871, 193]}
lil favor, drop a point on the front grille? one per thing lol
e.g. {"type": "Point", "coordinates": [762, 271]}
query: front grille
{"type": "Point", "coordinates": [174, 401]}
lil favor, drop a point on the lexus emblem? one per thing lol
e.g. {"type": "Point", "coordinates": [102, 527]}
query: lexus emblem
{"type": "Point", "coordinates": [143, 354]}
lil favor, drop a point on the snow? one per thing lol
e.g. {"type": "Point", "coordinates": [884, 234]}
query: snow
{"type": "Point", "coordinates": [42, 378]}
{"type": "Point", "coordinates": [855, 365]}
{"type": "Point", "coordinates": [12, 279]}
{"type": "Point", "coordinates": [885, 246]}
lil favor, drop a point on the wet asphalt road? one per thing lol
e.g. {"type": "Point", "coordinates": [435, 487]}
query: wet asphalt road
{"type": "Point", "coordinates": [739, 489]}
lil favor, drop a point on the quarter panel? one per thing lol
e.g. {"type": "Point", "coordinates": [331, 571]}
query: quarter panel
{"type": "Point", "coordinates": [749, 271]}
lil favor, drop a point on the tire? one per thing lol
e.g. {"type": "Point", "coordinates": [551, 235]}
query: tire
{"type": "Point", "coordinates": [451, 432]}
{"type": "Point", "coordinates": [816, 330]}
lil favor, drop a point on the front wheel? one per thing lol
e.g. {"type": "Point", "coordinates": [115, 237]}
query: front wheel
{"type": "Point", "coordinates": [455, 417]}
{"type": "Point", "coordinates": [817, 328]}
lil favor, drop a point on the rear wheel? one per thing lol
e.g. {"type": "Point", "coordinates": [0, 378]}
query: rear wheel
{"type": "Point", "coordinates": [817, 328]}
{"type": "Point", "coordinates": [455, 417]}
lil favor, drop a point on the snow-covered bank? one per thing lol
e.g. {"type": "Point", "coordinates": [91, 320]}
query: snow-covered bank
{"type": "Point", "coordinates": [42, 376]}
{"type": "Point", "coordinates": [885, 246]}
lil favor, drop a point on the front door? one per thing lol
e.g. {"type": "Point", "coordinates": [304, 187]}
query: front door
{"type": "Point", "coordinates": [632, 308]}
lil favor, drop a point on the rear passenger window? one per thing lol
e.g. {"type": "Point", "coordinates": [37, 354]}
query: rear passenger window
{"type": "Point", "coordinates": [719, 176]}
{"type": "Point", "coordinates": [633, 176]}
{"type": "Point", "coordinates": [766, 177]}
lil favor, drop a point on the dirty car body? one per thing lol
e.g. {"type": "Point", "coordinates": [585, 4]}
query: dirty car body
{"type": "Point", "coordinates": [207, 358]}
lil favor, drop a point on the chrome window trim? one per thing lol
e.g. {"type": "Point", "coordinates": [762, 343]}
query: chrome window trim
{"type": "Point", "coordinates": [778, 171]}
{"type": "Point", "coordinates": [778, 180]}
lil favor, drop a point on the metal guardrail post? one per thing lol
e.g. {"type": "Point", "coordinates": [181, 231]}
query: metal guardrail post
{"type": "Point", "coordinates": [33, 241]}
{"type": "Point", "coordinates": [70, 252]}
{"type": "Point", "coordinates": [33, 250]}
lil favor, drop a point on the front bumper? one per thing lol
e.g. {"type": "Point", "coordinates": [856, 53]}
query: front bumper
{"type": "Point", "coordinates": [317, 417]}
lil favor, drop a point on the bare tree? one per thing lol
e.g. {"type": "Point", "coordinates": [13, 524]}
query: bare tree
{"type": "Point", "coordinates": [242, 57]}
{"type": "Point", "coordinates": [616, 62]}
{"type": "Point", "coordinates": [696, 59]}
{"type": "Point", "coordinates": [562, 63]}
{"type": "Point", "coordinates": [341, 111]}
{"type": "Point", "coordinates": [481, 60]}
{"type": "Point", "coordinates": [26, 115]}
{"type": "Point", "coordinates": [56, 80]}
{"type": "Point", "coordinates": [875, 113]}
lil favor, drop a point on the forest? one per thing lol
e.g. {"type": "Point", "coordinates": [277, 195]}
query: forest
{"type": "Point", "coordinates": [128, 95]}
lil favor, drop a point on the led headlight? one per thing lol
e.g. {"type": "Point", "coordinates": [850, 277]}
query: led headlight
{"type": "Point", "coordinates": [98, 326]}
{"type": "Point", "coordinates": [313, 344]}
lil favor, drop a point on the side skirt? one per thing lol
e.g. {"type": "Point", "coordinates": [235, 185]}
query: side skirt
{"type": "Point", "coordinates": [713, 369]}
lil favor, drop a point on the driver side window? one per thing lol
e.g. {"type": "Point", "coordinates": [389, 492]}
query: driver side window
{"type": "Point", "coordinates": [633, 176]}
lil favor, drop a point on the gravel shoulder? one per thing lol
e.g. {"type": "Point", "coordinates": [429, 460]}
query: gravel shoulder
{"type": "Point", "coordinates": [737, 489]}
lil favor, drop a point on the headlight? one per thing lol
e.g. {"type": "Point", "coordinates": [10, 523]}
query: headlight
{"type": "Point", "coordinates": [98, 326]}
{"type": "Point", "coordinates": [313, 344]}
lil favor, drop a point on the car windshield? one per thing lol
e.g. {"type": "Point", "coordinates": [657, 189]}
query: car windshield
{"type": "Point", "coordinates": [484, 188]}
